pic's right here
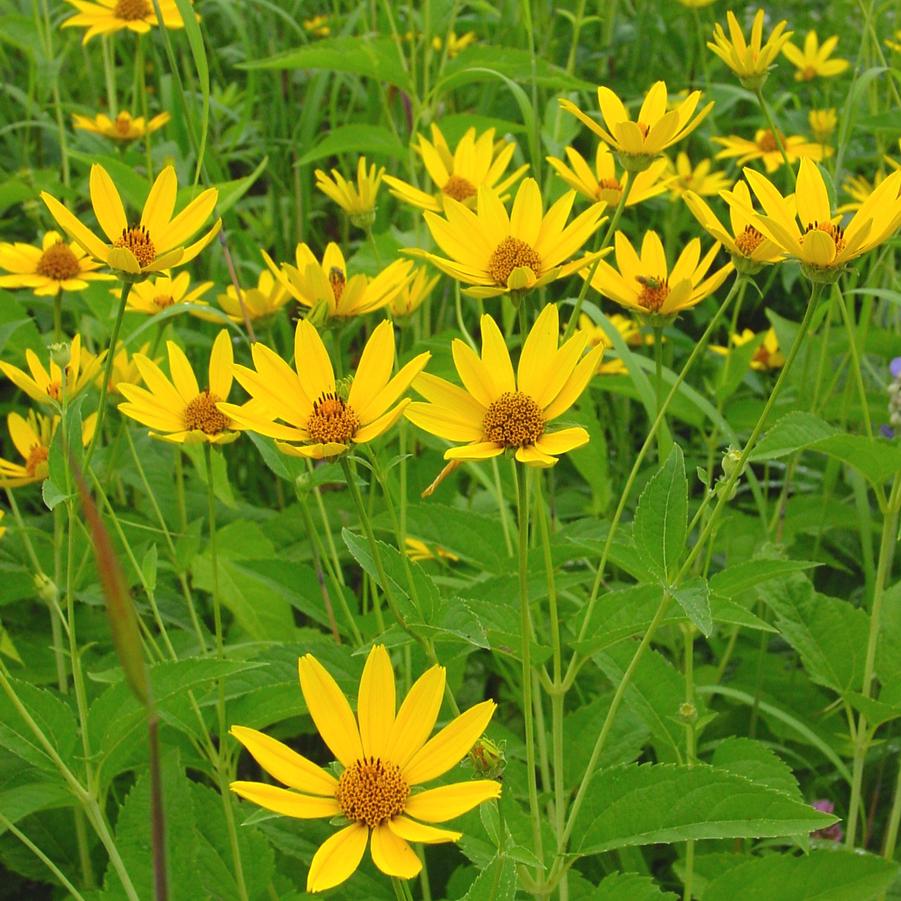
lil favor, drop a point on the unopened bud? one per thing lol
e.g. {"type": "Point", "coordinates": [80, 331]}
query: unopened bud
{"type": "Point", "coordinates": [46, 589]}
{"type": "Point", "coordinates": [60, 353]}
{"type": "Point", "coordinates": [688, 713]}
{"type": "Point", "coordinates": [488, 758]}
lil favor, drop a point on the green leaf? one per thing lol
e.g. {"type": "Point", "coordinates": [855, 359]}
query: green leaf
{"type": "Point", "coordinates": [740, 577]}
{"type": "Point", "coordinates": [374, 140]}
{"type": "Point", "coordinates": [20, 801]}
{"type": "Point", "coordinates": [518, 65]}
{"type": "Point", "coordinates": [661, 520]}
{"type": "Point", "coordinates": [756, 761]}
{"type": "Point", "coordinates": [694, 598]}
{"type": "Point", "coordinates": [630, 887]}
{"type": "Point", "coordinates": [496, 881]}
{"type": "Point", "coordinates": [53, 717]}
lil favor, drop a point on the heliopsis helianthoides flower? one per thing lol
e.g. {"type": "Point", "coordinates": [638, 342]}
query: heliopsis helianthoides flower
{"type": "Point", "coordinates": [455, 45]}
{"type": "Point", "coordinates": [495, 252]}
{"type": "Point", "coordinates": [317, 26]}
{"type": "Point", "coordinates": [822, 123]}
{"type": "Point", "coordinates": [261, 302]}
{"type": "Point", "coordinates": [125, 368]}
{"type": "Point", "coordinates": [808, 231]}
{"type": "Point", "coordinates": [700, 179]}
{"type": "Point", "coordinates": [767, 355]}
{"type": "Point", "coordinates": [358, 201]}
{"type": "Point", "coordinates": [123, 128]}
{"type": "Point", "coordinates": [765, 147]}
{"type": "Point", "coordinates": [646, 284]}
{"type": "Point", "coordinates": [495, 410]}
{"type": "Point", "coordinates": [628, 328]}
{"type": "Point", "coordinates": [157, 294]}
{"type": "Point", "coordinates": [656, 128]}
{"type": "Point", "coordinates": [414, 293]}
{"type": "Point", "coordinates": [108, 16]}
{"type": "Point", "coordinates": [70, 370]}
{"type": "Point", "coordinates": [749, 60]}
{"type": "Point", "coordinates": [813, 61]}
{"type": "Point", "coordinates": [475, 162]}
{"type": "Point", "coordinates": [320, 418]}
{"type": "Point", "coordinates": [158, 239]}
{"type": "Point", "coordinates": [417, 550]}
{"type": "Point", "coordinates": [53, 267]}
{"type": "Point", "coordinates": [605, 183]}
{"type": "Point", "coordinates": [326, 289]}
{"type": "Point", "coordinates": [385, 754]}
{"type": "Point", "coordinates": [749, 247]}
{"type": "Point", "coordinates": [177, 409]}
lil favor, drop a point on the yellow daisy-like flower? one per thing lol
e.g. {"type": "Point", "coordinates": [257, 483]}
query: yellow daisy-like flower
{"type": "Point", "coordinates": [638, 142]}
{"type": "Point", "coordinates": [495, 410]}
{"type": "Point", "coordinates": [605, 183]}
{"type": "Point", "coordinates": [55, 383]}
{"type": "Point", "coordinates": [595, 336]}
{"type": "Point", "coordinates": [53, 267]}
{"type": "Point", "coordinates": [124, 127]}
{"type": "Point", "coordinates": [767, 356]}
{"type": "Point", "coordinates": [177, 408]}
{"type": "Point", "coordinates": [318, 26]}
{"type": "Point", "coordinates": [357, 201]}
{"type": "Point", "coordinates": [813, 61]}
{"type": "Point", "coordinates": [125, 368]}
{"type": "Point", "coordinates": [822, 123]}
{"type": "Point", "coordinates": [414, 293]}
{"type": "Point", "coordinates": [158, 294]}
{"type": "Point", "coordinates": [325, 286]}
{"type": "Point", "coordinates": [455, 45]}
{"type": "Point", "coordinates": [108, 16]}
{"type": "Point", "coordinates": [385, 754]}
{"type": "Point", "coordinates": [156, 242]}
{"type": "Point", "coordinates": [496, 252]}
{"type": "Point", "coordinates": [416, 549]}
{"type": "Point", "coordinates": [765, 147]}
{"type": "Point", "coordinates": [474, 163]}
{"type": "Point", "coordinates": [319, 418]}
{"type": "Point", "coordinates": [750, 60]}
{"type": "Point", "coordinates": [684, 177]}
{"type": "Point", "coordinates": [809, 231]}
{"type": "Point", "coordinates": [646, 284]}
{"type": "Point", "coordinates": [894, 44]}
{"type": "Point", "coordinates": [261, 302]}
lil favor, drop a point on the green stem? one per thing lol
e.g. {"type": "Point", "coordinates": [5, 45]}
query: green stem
{"type": "Point", "coordinates": [658, 379]}
{"type": "Point", "coordinates": [855, 359]}
{"type": "Point", "coordinates": [777, 136]}
{"type": "Point", "coordinates": [689, 713]}
{"type": "Point", "coordinates": [109, 73]}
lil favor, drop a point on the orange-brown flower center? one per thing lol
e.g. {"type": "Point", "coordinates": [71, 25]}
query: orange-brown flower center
{"type": "Point", "coordinates": [337, 280]}
{"type": "Point", "coordinates": [512, 254]}
{"type": "Point", "coordinates": [137, 240]}
{"type": "Point", "coordinates": [609, 190]}
{"type": "Point", "coordinates": [653, 292]}
{"type": "Point", "coordinates": [513, 420]}
{"type": "Point", "coordinates": [332, 421]}
{"type": "Point", "coordinates": [123, 124]}
{"type": "Point", "coordinates": [161, 301]}
{"type": "Point", "coordinates": [132, 10]}
{"type": "Point", "coordinates": [643, 128]}
{"type": "Point", "coordinates": [372, 791]}
{"type": "Point", "coordinates": [37, 456]}
{"type": "Point", "coordinates": [808, 73]}
{"type": "Point", "coordinates": [768, 141]}
{"type": "Point", "coordinates": [749, 240]}
{"type": "Point", "coordinates": [202, 415]}
{"type": "Point", "coordinates": [836, 232]}
{"type": "Point", "coordinates": [459, 188]}
{"type": "Point", "coordinates": [58, 262]}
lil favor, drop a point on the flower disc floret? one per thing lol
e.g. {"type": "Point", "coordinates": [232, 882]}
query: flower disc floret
{"type": "Point", "coordinates": [203, 415]}
{"type": "Point", "coordinates": [372, 791]}
{"type": "Point", "coordinates": [749, 240]}
{"type": "Point", "coordinates": [58, 262]}
{"type": "Point", "coordinates": [513, 420]}
{"type": "Point", "coordinates": [459, 188]}
{"type": "Point", "coordinates": [654, 291]}
{"type": "Point", "coordinates": [132, 10]}
{"type": "Point", "coordinates": [510, 254]}
{"type": "Point", "coordinates": [332, 420]}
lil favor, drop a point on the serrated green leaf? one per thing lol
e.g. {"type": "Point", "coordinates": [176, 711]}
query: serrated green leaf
{"type": "Point", "coordinates": [740, 577]}
{"type": "Point", "coordinates": [630, 887]}
{"type": "Point", "coordinates": [661, 520]}
{"type": "Point", "coordinates": [694, 598]}
{"type": "Point", "coordinates": [757, 762]}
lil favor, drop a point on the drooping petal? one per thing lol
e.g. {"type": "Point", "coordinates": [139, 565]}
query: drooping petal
{"type": "Point", "coordinates": [411, 831]}
{"type": "Point", "coordinates": [392, 855]}
{"type": "Point", "coordinates": [337, 858]}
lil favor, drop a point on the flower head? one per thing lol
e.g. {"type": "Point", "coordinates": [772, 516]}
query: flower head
{"type": "Point", "coordinates": [123, 128]}
{"type": "Point", "coordinates": [813, 60]}
{"type": "Point", "coordinates": [767, 356]}
{"type": "Point", "coordinates": [108, 16]}
{"type": "Point", "coordinates": [765, 147]}
{"type": "Point", "coordinates": [318, 26]}
{"type": "Point", "coordinates": [318, 417]}
{"type": "Point", "coordinates": [751, 61]}
{"type": "Point", "coordinates": [261, 302]}
{"type": "Point", "coordinates": [357, 201]}
{"type": "Point", "coordinates": [495, 410]}
{"type": "Point", "coordinates": [70, 370]}
{"type": "Point", "coordinates": [416, 549]}
{"type": "Point", "coordinates": [414, 293]}
{"type": "Point", "coordinates": [629, 330]}
{"type": "Point", "coordinates": [125, 368]}
{"type": "Point", "coordinates": [53, 267]}
{"type": "Point", "coordinates": [455, 45]}
{"type": "Point", "coordinates": [157, 294]}
{"type": "Point", "coordinates": [495, 252]}
{"type": "Point", "coordinates": [822, 123]}
{"type": "Point", "coordinates": [683, 177]}
{"type": "Point", "coordinates": [156, 242]}
{"type": "Point", "coordinates": [385, 754]}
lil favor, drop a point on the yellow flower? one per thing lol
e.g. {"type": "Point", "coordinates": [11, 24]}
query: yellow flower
{"type": "Point", "coordinates": [766, 148]}
{"type": "Point", "coordinates": [814, 60]}
{"type": "Point", "coordinates": [413, 294]}
{"type": "Point", "coordinates": [123, 127]}
{"type": "Point", "coordinates": [156, 242]}
{"type": "Point", "coordinates": [751, 61]}
{"type": "Point", "coordinates": [384, 753]}
{"type": "Point", "coordinates": [475, 162]}
{"type": "Point", "coordinates": [418, 550]}
{"type": "Point", "coordinates": [178, 409]}
{"type": "Point", "coordinates": [455, 45]}
{"type": "Point", "coordinates": [266, 299]}
{"type": "Point", "coordinates": [655, 129]}
{"type": "Point", "coordinates": [326, 286]}
{"type": "Point", "coordinates": [495, 252]}
{"type": "Point", "coordinates": [496, 411]}
{"type": "Point", "coordinates": [108, 16]}
{"type": "Point", "coordinates": [358, 202]}
{"type": "Point", "coordinates": [31, 436]}
{"type": "Point", "coordinates": [53, 267]}
{"type": "Point", "coordinates": [317, 26]}
{"type": "Point", "coordinates": [125, 368]}
{"type": "Point", "coordinates": [822, 123]}
{"type": "Point", "coordinates": [604, 183]}
{"type": "Point", "coordinates": [684, 177]}
{"type": "Point", "coordinates": [767, 356]}
{"type": "Point", "coordinates": [696, 4]}
{"type": "Point", "coordinates": [809, 231]}
{"type": "Point", "coordinates": [56, 383]}
{"type": "Point", "coordinates": [896, 43]}
{"type": "Point", "coordinates": [157, 294]}
{"type": "Point", "coordinates": [628, 328]}
{"type": "Point", "coordinates": [319, 418]}
{"type": "Point", "coordinates": [647, 285]}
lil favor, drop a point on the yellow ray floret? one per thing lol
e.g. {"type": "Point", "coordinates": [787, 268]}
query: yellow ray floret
{"type": "Point", "coordinates": [157, 294]}
{"type": "Point", "coordinates": [814, 60]}
{"type": "Point", "coordinates": [767, 356]}
{"type": "Point", "coordinates": [765, 147]}
{"type": "Point", "coordinates": [69, 371]}
{"type": "Point", "coordinates": [261, 302]}
{"type": "Point", "coordinates": [701, 179]}
{"type": "Point", "coordinates": [359, 200]}
{"type": "Point", "coordinates": [750, 60]}
{"type": "Point", "coordinates": [124, 127]}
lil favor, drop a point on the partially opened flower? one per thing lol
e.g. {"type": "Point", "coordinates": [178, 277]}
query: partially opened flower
{"type": "Point", "coordinates": [495, 252]}
{"type": "Point", "coordinates": [495, 410]}
{"type": "Point", "coordinates": [157, 294]}
{"type": "Point", "coordinates": [385, 754]}
{"type": "Point", "coordinates": [158, 239]}
{"type": "Point", "coordinates": [69, 371]}
{"type": "Point", "coordinates": [307, 411]}
{"type": "Point", "coordinates": [358, 201]}
{"type": "Point", "coordinates": [683, 177]}
{"type": "Point", "coordinates": [765, 147]}
{"type": "Point", "coordinates": [124, 369]}
{"type": "Point", "coordinates": [416, 549]}
{"type": "Point", "coordinates": [822, 123]}
{"type": "Point", "coordinates": [176, 408]}
{"type": "Point", "coordinates": [414, 293]}
{"type": "Point", "coordinates": [108, 16]}
{"type": "Point", "coordinates": [750, 60]}
{"type": "Point", "coordinates": [767, 356]}
{"type": "Point", "coordinates": [261, 302]}
{"type": "Point", "coordinates": [124, 127]}
{"type": "Point", "coordinates": [53, 267]}
{"type": "Point", "coordinates": [814, 60]}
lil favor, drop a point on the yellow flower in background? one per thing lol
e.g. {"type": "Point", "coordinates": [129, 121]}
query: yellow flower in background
{"type": "Point", "coordinates": [765, 147]}
{"type": "Point", "coordinates": [385, 754]}
{"type": "Point", "coordinates": [700, 179]}
{"type": "Point", "coordinates": [157, 241]}
{"type": "Point", "coordinates": [178, 409]}
{"type": "Point", "coordinates": [157, 294]}
{"type": "Point", "coordinates": [455, 45]}
{"type": "Point", "coordinates": [261, 302]}
{"type": "Point", "coordinates": [495, 252]}
{"type": "Point", "coordinates": [605, 183]}
{"type": "Point", "coordinates": [495, 410]}
{"type": "Point", "coordinates": [477, 161]}
{"type": "Point", "coordinates": [108, 16]}
{"type": "Point", "coordinates": [767, 356]}
{"type": "Point", "coordinates": [646, 284]}
{"type": "Point", "coordinates": [318, 26]}
{"type": "Point", "coordinates": [894, 44]}
{"type": "Point", "coordinates": [628, 328]}
{"type": "Point", "coordinates": [123, 128]}
{"type": "Point", "coordinates": [325, 288]}
{"type": "Point", "coordinates": [655, 129]}
{"type": "Point", "coordinates": [53, 267]}
{"type": "Point", "coordinates": [413, 294]}
{"type": "Point", "coordinates": [359, 200]}
{"type": "Point", "coordinates": [125, 368]}
{"type": "Point", "coordinates": [319, 417]}
{"type": "Point", "coordinates": [70, 370]}
{"type": "Point", "coordinates": [822, 123]}
{"type": "Point", "coordinates": [696, 4]}
{"type": "Point", "coordinates": [417, 550]}
{"type": "Point", "coordinates": [750, 60]}
{"type": "Point", "coordinates": [813, 61]}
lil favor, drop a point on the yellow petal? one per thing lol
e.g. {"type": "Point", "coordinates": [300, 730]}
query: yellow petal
{"type": "Point", "coordinates": [376, 702]}
{"type": "Point", "coordinates": [475, 375]}
{"type": "Point", "coordinates": [160, 203]}
{"type": "Point", "coordinates": [374, 368]}
{"type": "Point", "coordinates": [392, 855]}
{"type": "Point", "coordinates": [437, 805]}
{"type": "Point", "coordinates": [811, 195]}
{"type": "Point", "coordinates": [337, 858]}
{"type": "Point", "coordinates": [182, 374]}
{"type": "Point", "coordinates": [411, 831]}
{"type": "Point", "coordinates": [221, 365]}
{"type": "Point", "coordinates": [538, 352]}
{"type": "Point", "coordinates": [416, 716]}
{"type": "Point", "coordinates": [75, 228]}
{"type": "Point", "coordinates": [107, 204]}
{"type": "Point", "coordinates": [314, 368]}
{"type": "Point", "coordinates": [187, 222]}
{"type": "Point", "coordinates": [288, 803]}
